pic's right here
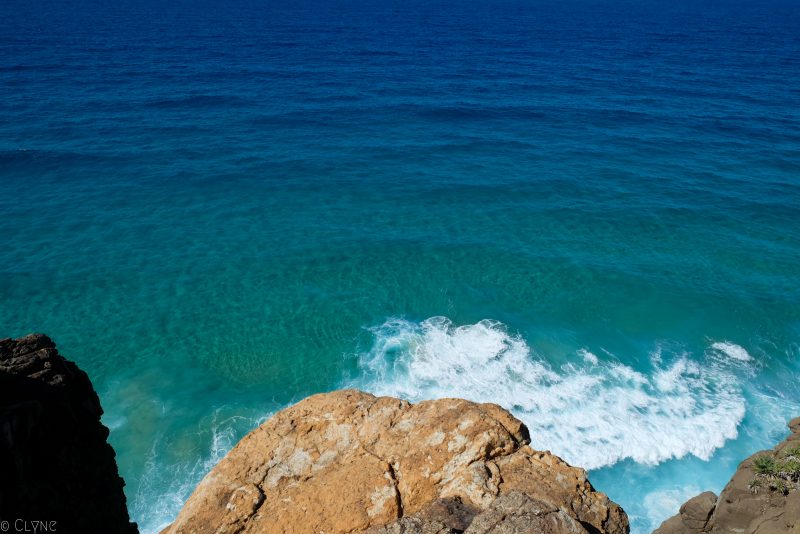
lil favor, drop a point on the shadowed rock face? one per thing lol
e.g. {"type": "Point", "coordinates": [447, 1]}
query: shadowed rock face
{"type": "Point", "coordinates": [742, 508]}
{"type": "Point", "coordinates": [351, 462]}
{"type": "Point", "coordinates": [510, 513]}
{"type": "Point", "coordinates": [55, 463]}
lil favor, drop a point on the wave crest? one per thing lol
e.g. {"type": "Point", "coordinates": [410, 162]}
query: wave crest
{"type": "Point", "coordinates": [590, 411]}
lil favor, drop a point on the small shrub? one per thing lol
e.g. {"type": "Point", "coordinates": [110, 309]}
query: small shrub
{"type": "Point", "coordinates": [780, 486]}
{"type": "Point", "coordinates": [754, 485]}
{"type": "Point", "coordinates": [765, 465]}
{"type": "Point", "coordinates": [789, 468]}
{"type": "Point", "coordinates": [792, 451]}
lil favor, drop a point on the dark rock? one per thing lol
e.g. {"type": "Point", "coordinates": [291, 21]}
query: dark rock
{"type": "Point", "coordinates": [517, 513]}
{"type": "Point", "coordinates": [55, 462]}
{"type": "Point", "coordinates": [450, 511]}
{"type": "Point", "coordinates": [512, 513]}
{"type": "Point", "coordinates": [414, 525]}
{"type": "Point", "coordinates": [449, 515]}
{"type": "Point", "coordinates": [743, 508]}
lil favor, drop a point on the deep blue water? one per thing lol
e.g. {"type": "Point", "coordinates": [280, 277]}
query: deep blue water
{"type": "Point", "coordinates": [588, 212]}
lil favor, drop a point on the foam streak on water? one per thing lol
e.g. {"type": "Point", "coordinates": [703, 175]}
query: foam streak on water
{"type": "Point", "coordinates": [593, 412]}
{"type": "Point", "coordinates": [731, 350]}
{"type": "Point", "coordinates": [167, 483]}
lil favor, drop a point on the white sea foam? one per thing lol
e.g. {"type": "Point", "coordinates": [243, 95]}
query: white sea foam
{"type": "Point", "coordinates": [732, 350]}
{"type": "Point", "coordinates": [173, 481]}
{"type": "Point", "coordinates": [588, 356]}
{"type": "Point", "coordinates": [666, 502]}
{"type": "Point", "coordinates": [591, 412]}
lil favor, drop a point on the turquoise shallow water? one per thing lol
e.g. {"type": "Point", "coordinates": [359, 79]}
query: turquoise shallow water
{"type": "Point", "coordinates": [585, 212]}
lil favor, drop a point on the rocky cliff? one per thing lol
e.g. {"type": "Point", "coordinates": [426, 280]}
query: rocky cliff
{"type": "Point", "coordinates": [351, 462]}
{"type": "Point", "coordinates": [762, 497]}
{"type": "Point", "coordinates": [55, 464]}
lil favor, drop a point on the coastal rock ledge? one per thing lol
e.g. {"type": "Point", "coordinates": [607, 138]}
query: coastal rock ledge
{"type": "Point", "coordinates": [347, 462]}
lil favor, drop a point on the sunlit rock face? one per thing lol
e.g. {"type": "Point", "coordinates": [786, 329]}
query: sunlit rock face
{"type": "Point", "coordinates": [348, 461]}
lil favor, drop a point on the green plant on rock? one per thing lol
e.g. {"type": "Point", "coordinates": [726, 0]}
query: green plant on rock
{"type": "Point", "coordinates": [780, 475]}
{"type": "Point", "coordinates": [792, 451]}
{"type": "Point", "coordinates": [780, 486]}
{"type": "Point", "coordinates": [789, 469]}
{"type": "Point", "coordinates": [765, 465]}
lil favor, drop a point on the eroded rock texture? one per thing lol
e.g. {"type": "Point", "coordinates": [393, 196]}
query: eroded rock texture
{"type": "Point", "coordinates": [55, 463]}
{"type": "Point", "coordinates": [351, 462]}
{"type": "Point", "coordinates": [743, 507]}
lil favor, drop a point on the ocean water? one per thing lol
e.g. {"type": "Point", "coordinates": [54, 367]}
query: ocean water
{"type": "Point", "coordinates": [585, 211]}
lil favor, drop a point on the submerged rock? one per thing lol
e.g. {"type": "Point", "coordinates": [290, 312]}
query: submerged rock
{"type": "Point", "coordinates": [55, 464]}
{"type": "Point", "coordinates": [351, 462]}
{"type": "Point", "coordinates": [763, 496]}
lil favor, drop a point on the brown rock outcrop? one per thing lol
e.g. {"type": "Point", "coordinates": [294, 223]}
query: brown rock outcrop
{"type": "Point", "coordinates": [747, 505]}
{"type": "Point", "coordinates": [55, 463]}
{"type": "Point", "coordinates": [351, 462]}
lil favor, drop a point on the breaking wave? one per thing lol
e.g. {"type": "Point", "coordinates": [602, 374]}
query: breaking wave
{"type": "Point", "coordinates": [593, 411]}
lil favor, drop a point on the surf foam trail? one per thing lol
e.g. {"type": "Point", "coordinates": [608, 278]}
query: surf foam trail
{"type": "Point", "coordinates": [168, 482]}
{"type": "Point", "coordinates": [593, 411]}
